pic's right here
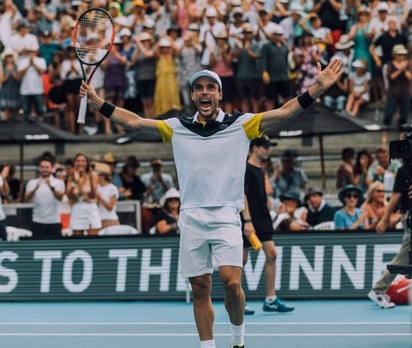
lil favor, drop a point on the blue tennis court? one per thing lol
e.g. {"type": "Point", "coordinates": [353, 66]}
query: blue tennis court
{"type": "Point", "coordinates": [318, 324]}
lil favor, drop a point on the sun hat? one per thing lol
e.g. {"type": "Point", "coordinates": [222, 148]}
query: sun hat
{"type": "Point", "coordinates": [109, 158]}
{"type": "Point", "coordinates": [125, 32]}
{"type": "Point", "coordinates": [277, 30]}
{"type": "Point", "coordinates": [8, 52]}
{"type": "Point", "coordinates": [359, 64]}
{"type": "Point", "coordinates": [348, 188]}
{"type": "Point", "coordinates": [165, 42]}
{"type": "Point", "coordinates": [399, 49]}
{"type": "Point", "coordinates": [290, 195]}
{"type": "Point", "coordinates": [344, 43]}
{"type": "Point", "coordinates": [211, 12]}
{"type": "Point", "coordinates": [247, 28]}
{"type": "Point", "coordinates": [205, 73]}
{"type": "Point", "coordinates": [222, 34]}
{"type": "Point", "coordinates": [102, 168]}
{"type": "Point", "coordinates": [145, 36]}
{"type": "Point", "coordinates": [170, 193]}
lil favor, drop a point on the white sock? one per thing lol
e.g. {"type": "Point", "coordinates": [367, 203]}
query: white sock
{"type": "Point", "coordinates": [208, 344]}
{"type": "Point", "coordinates": [238, 334]}
{"type": "Point", "coordinates": [270, 298]}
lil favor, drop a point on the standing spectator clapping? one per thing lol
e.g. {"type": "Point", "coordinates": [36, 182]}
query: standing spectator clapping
{"type": "Point", "coordinates": [107, 196]}
{"type": "Point", "coordinates": [4, 193]}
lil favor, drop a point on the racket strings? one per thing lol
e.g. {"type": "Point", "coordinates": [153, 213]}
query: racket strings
{"type": "Point", "coordinates": [93, 37]}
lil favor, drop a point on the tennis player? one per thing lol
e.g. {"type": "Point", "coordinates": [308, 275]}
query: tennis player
{"type": "Point", "coordinates": [210, 152]}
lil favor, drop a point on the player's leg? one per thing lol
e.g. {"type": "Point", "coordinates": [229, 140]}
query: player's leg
{"type": "Point", "coordinates": [202, 306]}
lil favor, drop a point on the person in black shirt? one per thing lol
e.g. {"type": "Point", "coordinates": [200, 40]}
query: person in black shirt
{"type": "Point", "coordinates": [256, 207]}
{"type": "Point", "coordinates": [318, 209]}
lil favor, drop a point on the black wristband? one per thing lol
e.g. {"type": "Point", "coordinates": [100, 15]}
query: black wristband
{"type": "Point", "coordinates": [305, 100]}
{"type": "Point", "coordinates": [107, 109]}
{"type": "Point", "coordinates": [247, 220]}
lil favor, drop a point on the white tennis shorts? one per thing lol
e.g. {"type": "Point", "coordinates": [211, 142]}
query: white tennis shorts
{"type": "Point", "coordinates": [209, 238]}
{"type": "Point", "coordinates": [84, 216]}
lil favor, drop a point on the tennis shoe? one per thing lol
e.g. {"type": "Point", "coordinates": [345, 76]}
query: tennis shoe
{"type": "Point", "coordinates": [249, 310]}
{"type": "Point", "coordinates": [382, 300]}
{"type": "Point", "coordinates": [277, 305]}
{"type": "Point", "coordinates": [242, 346]}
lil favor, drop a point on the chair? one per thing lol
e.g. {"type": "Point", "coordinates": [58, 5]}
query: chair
{"type": "Point", "coordinates": [325, 226]}
{"type": "Point", "coordinates": [118, 230]}
{"type": "Point", "coordinates": [14, 234]}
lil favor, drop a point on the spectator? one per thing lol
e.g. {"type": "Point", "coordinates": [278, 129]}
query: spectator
{"type": "Point", "coordinates": [48, 46]}
{"type": "Point", "coordinates": [107, 196]}
{"type": "Point", "coordinates": [246, 51]}
{"type": "Point", "coordinates": [221, 60]}
{"type": "Point", "coordinates": [137, 18]}
{"type": "Point", "coordinates": [144, 61]}
{"type": "Point", "coordinates": [291, 214]}
{"type": "Point", "coordinates": [306, 58]}
{"type": "Point", "coordinates": [11, 15]}
{"type": "Point", "coordinates": [22, 39]}
{"type": "Point", "coordinates": [128, 48]}
{"type": "Point", "coordinates": [45, 192]}
{"type": "Point", "coordinates": [115, 82]}
{"type": "Point", "coordinates": [71, 74]}
{"type": "Point", "coordinates": [290, 177]}
{"type": "Point", "coordinates": [46, 12]}
{"type": "Point", "coordinates": [350, 217]}
{"type": "Point", "coordinates": [322, 37]}
{"type": "Point", "coordinates": [82, 193]}
{"type": "Point", "coordinates": [275, 70]}
{"type": "Point", "coordinates": [375, 205]}
{"type": "Point", "coordinates": [383, 169]}
{"type": "Point", "coordinates": [189, 59]}
{"type": "Point", "coordinates": [381, 48]}
{"type": "Point", "coordinates": [15, 186]}
{"type": "Point", "coordinates": [344, 175]}
{"type": "Point", "coordinates": [399, 74]}
{"type": "Point", "coordinates": [10, 100]}
{"type": "Point", "coordinates": [330, 14]}
{"type": "Point", "coordinates": [335, 97]}
{"type": "Point", "coordinates": [4, 193]}
{"type": "Point", "coordinates": [63, 206]}
{"type": "Point", "coordinates": [132, 187]}
{"type": "Point", "coordinates": [344, 52]}
{"type": "Point", "coordinates": [208, 30]}
{"type": "Point", "coordinates": [30, 70]}
{"type": "Point", "coordinates": [291, 24]}
{"type": "Point", "coordinates": [362, 37]}
{"type": "Point", "coordinates": [363, 161]}
{"type": "Point", "coordinates": [157, 183]}
{"type": "Point", "coordinates": [166, 218]}
{"type": "Point", "coordinates": [318, 209]}
{"type": "Point", "coordinates": [166, 95]}
{"type": "Point", "coordinates": [111, 161]}
{"type": "Point", "coordinates": [359, 85]}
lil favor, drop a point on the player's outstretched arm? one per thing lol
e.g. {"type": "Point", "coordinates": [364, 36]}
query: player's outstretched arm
{"type": "Point", "coordinates": [324, 79]}
{"type": "Point", "coordinates": [116, 114]}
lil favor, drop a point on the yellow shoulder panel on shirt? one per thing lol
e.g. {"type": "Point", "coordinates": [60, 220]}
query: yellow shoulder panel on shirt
{"type": "Point", "coordinates": [252, 126]}
{"type": "Point", "coordinates": [165, 131]}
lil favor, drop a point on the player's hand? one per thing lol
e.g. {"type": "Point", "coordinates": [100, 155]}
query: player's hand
{"type": "Point", "coordinates": [328, 76]}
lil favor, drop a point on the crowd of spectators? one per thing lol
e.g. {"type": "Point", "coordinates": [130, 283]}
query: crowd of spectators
{"type": "Point", "coordinates": [85, 194]}
{"type": "Point", "coordinates": [265, 52]}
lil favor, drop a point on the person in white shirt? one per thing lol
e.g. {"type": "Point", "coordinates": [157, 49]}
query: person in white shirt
{"type": "Point", "coordinates": [30, 70]}
{"type": "Point", "coordinates": [45, 192]}
{"type": "Point", "coordinates": [22, 39]}
{"type": "Point", "coordinates": [107, 195]}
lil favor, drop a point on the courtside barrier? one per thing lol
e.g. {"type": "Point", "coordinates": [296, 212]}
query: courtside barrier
{"type": "Point", "coordinates": [325, 265]}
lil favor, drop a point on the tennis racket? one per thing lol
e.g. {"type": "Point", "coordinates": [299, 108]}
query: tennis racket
{"type": "Point", "coordinates": [93, 38]}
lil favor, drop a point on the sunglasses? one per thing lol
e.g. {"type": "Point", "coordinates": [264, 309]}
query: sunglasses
{"type": "Point", "coordinates": [380, 191]}
{"type": "Point", "coordinates": [351, 196]}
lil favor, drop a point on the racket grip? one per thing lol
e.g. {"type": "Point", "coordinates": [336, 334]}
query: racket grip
{"type": "Point", "coordinates": [81, 116]}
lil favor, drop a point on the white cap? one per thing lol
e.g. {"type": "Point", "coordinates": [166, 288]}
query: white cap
{"type": "Point", "coordinates": [125, 32]}
{"type": "Point", "coordinates": [211, 12]}
{"type": "Point", "coordinates": [297, 8]}
{"type": "Point", "coordinates": [149, 23]}
{"type": "Point", "coordinates": [205, 73]}
{"type": "Point", "coordinates": [165, 42]}
{"type": "Point", "coordinates": [382, 6]}
{"type": "Point", "coordinates": [276, 29]}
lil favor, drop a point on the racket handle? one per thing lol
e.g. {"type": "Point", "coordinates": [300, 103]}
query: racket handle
{"type": "Point", "coordinates": [81, 116]}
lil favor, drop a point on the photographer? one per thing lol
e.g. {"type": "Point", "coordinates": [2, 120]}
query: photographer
{"type": "Point", "coordinates": [402, 198]}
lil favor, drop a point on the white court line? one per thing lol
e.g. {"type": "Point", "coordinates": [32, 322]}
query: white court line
{"type": "Point", "coordinates": [184, 323]}
{"type": "Point", "coordinates": [293, 334]}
